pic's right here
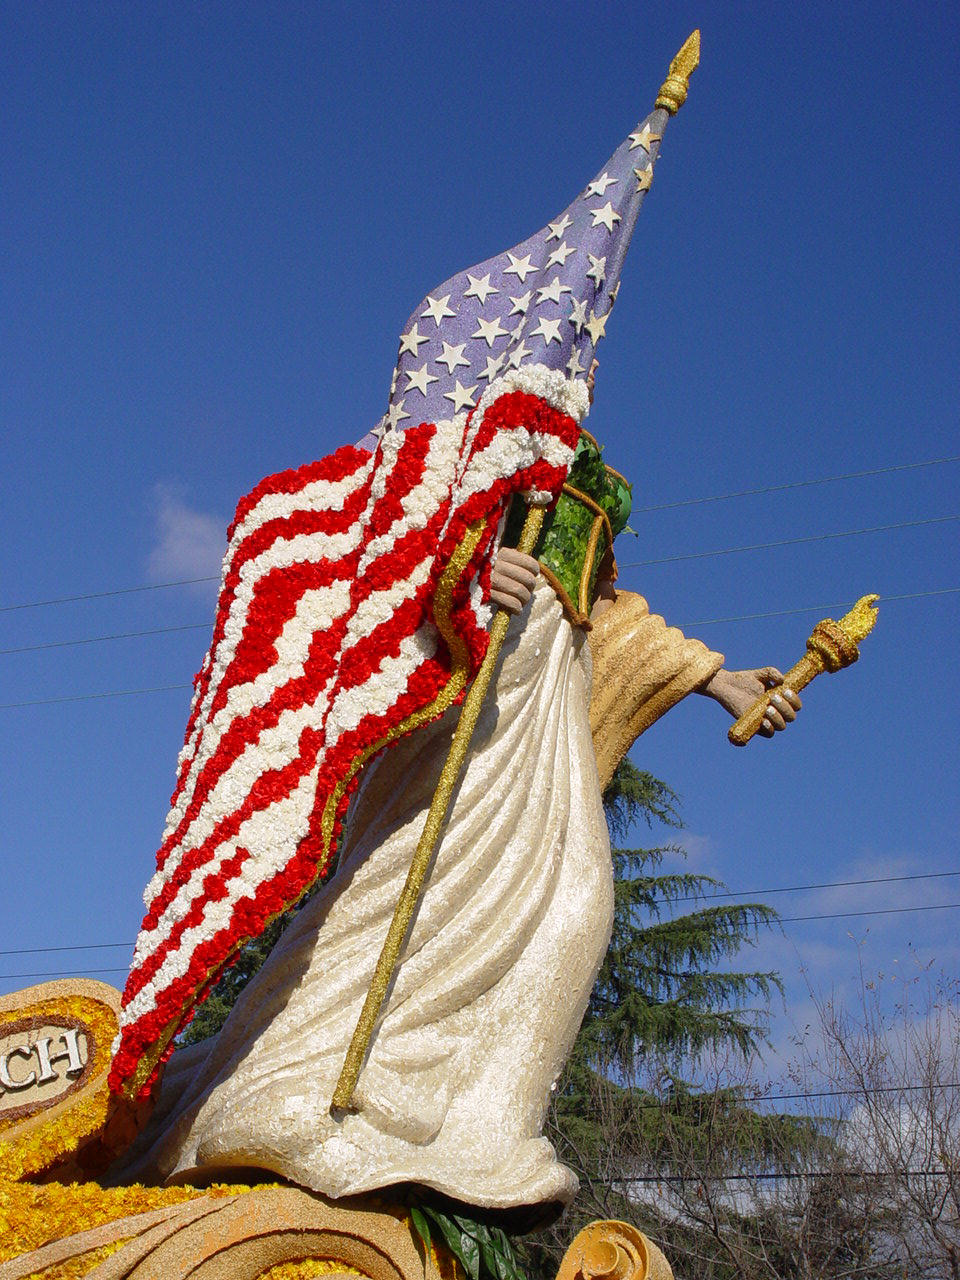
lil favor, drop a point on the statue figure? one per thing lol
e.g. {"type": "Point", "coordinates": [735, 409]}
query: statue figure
{"type": "Point", "coordinates": [503, 953]}
{"type": "Point", "coordinates": [508, 936]}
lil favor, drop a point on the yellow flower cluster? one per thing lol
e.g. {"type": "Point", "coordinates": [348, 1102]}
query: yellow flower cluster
{"type": "Point", "coordinates": [32, 1216]}
{"type": "Point", "coordinates": [306, 1269]}
{"type": "Point", "coordinates": [43, 1144]}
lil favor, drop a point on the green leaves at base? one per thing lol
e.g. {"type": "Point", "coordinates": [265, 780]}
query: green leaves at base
{"type": "Point", "coordinates": [484, 1252]}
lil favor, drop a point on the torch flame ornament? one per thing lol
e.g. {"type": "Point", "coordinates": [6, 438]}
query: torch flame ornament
{"type": "Point", "coordinates": [831, 646]}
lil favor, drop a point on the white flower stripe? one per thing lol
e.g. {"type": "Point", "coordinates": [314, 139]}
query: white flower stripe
{"type": "Point", "coordinates": [209, 730]}
{"type": "Point", "coordinates": [318, 495]}
{"type": "Point", "coordinates": [423, 500]}
{"type": "Point", "coordinates": [273, 833]}
{"type": "Point", "coordinates": [280, 556]}
{"type": "Point", "coordinates": [509, 452]}
{"type": "Point", "coordinates": [419, 505]}
{"type": "Point", "coordinates": [318, 546]}
{"type": "Point", "coordinates": [328, 495]}
{"type": "Point", "coordinates": [566, 395]}
{"type": "Point", "coordinates": [278, 746]}
{"type": "Point", "coordinates": [381, 691]}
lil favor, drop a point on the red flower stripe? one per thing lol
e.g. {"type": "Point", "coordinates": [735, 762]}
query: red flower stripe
{"type": "Point", "coordinates": [334, 520]}
{"type": "Point", "coordinates": [176, 965]}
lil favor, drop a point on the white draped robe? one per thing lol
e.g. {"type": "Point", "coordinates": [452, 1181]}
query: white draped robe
{"type": "Point", "coordinates": [493, 982]}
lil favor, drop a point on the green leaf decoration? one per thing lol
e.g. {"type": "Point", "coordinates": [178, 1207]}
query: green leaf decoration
{"type": "Point", "coordinates": [488, 1253]}
{"type": "Point", "coordinates": [421, 1226]}
{"type": "Point", "coordinates": [566, 529]}
{"type": "Point", "coordinates": [469, 1252]}
{"type": "Point", "coordinates": [453, 1237]}
{"type": "Point", "coordinates": [507, 1265]}
{"type": "Point", "coordinates": [484, 1252]}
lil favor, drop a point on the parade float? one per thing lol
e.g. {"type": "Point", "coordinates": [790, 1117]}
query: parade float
{"type": "Point", "coordinates": [404, 724]}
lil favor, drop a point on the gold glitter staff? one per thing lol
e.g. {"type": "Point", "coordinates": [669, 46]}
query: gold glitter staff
{"type": "Point", "coordinates": [412, 889]}
{"type": "Point", "coordinates": [831, 646]}
{"type": "Point", "coordinates": [673, 93]}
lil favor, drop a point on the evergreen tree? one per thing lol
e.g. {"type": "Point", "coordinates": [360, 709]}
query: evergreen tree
{"type": "Point", "coordinates": [664, 997]}
{"type": "Point", "coordinates": [660, 990]}
{"type": "Point", "coordinates": [212, 1014]}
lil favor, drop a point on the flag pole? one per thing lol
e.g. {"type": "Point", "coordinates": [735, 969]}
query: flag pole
{"type": "Point", "coordinates": [436, 816]}
{"type": "Point", "coordinates": [672, 95]}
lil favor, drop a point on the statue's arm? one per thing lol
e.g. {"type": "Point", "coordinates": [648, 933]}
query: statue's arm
{"type": "Point", "coordinates": [642, 668]}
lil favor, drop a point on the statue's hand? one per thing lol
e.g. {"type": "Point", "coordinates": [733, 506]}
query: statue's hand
{"type": "Point", "coordinates": [513, 578]}
{"type": "Point", "coordinates": [737, 691]}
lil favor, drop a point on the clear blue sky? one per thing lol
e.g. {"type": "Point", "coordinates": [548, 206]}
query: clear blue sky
{"type": "Point", "coordinates": [216, 218]}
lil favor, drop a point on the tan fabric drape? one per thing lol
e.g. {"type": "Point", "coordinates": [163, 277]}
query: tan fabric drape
{"type": "Point", "coordinates": [641, 668]}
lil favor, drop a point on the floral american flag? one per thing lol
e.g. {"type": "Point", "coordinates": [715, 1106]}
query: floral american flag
{"type": "Point", "coordinates": [545, 301]}
{"type": "Point", "coordinates": [328, 642]}
{"type": "Point", "coordinates": [352, 609]}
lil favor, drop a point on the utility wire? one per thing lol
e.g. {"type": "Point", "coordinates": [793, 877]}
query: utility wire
{"type": "Point", "coordinates": [85, 946]}
{"type": "Point", "coordinates": [646, 1106]}
{"type": "Point", "coordinates": [652, 1105]}
{"type": "Point", "coordinates": [852, 1093]}
{"type": "Point", "coordinates": [103, 595]}
{"type": "Point", "coordinates": [794, 484]}
{"type": "Point", "coordinates": [90, 697]}
{"type": "Point", "coordinates": [59, 973]}
{"type": "Point", "coordinates": [690, 897]}
{"type": "Point", "coordinates": [117, 635]}
{"type": "Point", "coordinates": [880, 911]}
{"type": "Point", "coordinates": [816, 608]}
{"type": "Point", "coordinates": [789, 1175]}
{"type": "Point", "coordinates": [664, 506]}
{"type": "Point", "coordinates": [753, 1099]}
{"type": "Point", "coordinates": [789, 888]}
{"type": "Point", "coordinates": [702, 622]}
{"type": "Point", "coordinates": [790, 542]}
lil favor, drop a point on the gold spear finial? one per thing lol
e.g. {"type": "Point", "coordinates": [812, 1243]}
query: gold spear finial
{"type": "Point", "coordinates": [673, 91]}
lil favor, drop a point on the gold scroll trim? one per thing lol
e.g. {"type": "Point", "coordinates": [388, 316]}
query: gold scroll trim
{"type": "Point", "coordinates": [579, 612]}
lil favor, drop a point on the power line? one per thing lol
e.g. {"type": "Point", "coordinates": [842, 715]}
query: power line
{"type": "Point", "coordinates": [694, 897]}
{"type": "Point", "coordinates": [117, 635]}
{"type": "Point", "coordinates": [59, 973]}
{"type": "Point", "coordinates": [794, 484]}
{"type": "Point", "coordinates": [880, 911]}
{"type": "Point", "coordinates": [814, 1093]}
{"type": "Point", "coordinates": [103, 595]}
{"type": "Point", "coordinates": [798, 888]}
{"type": "Point", "coordinates": [744, 617]}
{"type": "Point", "coordinates": [200, 626]}
{"type": "Point", "coordinates": [788, 1175]}
{"type": "Point", "coordinates": [852, 1093]}
{"type": "Point", "coordinates": [816, 608]}
{"type": "Point", "coordinates": [664, 506]}
{"type": "Point", "coordinates": [90, 697]}
{"type": "Point", "coordinates": [790, 542]}
{"type": "Point", "coordinates": [85, 946]}
{"type": "Point", "coordinates": [647, 1106]}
